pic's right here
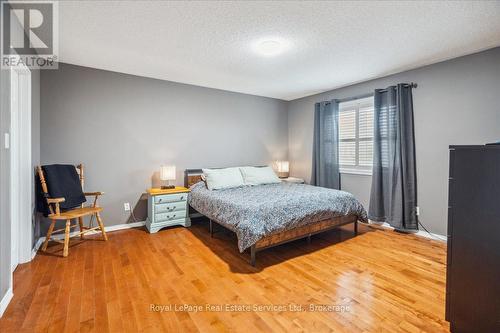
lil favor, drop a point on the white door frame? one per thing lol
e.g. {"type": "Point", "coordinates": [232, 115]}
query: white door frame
{"type": "Point", "coordinates": [22, 177]}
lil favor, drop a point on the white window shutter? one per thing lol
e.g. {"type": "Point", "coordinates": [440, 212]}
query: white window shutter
{"type": "Point", "coordinates": [356, 120]}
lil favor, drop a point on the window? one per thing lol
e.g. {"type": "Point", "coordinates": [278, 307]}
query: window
{"type": "Point", "coordinates": [356, 136]}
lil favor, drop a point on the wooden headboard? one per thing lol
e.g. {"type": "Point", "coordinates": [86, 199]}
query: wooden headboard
{"type": "Point", "coordinates": [192, 176]}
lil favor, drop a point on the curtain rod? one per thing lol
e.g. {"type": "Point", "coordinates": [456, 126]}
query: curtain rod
{"type": "Point", "coordinates": [411, 84]}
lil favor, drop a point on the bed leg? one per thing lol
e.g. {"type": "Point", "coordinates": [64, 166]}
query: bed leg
{"type": "Point", "coordinates": [211, 228]}
{"type": "Point", "coordinates": [309, 239]}
{"type": "Point", "coordinates": [356, 228]}
{"type": "Point", "coordinates": [252, 255]}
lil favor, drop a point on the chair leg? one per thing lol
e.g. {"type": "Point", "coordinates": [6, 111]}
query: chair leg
{"type": "Point", "coordinates": [80, 222]}
{"type": "Point", "coordinates": [66, 238]}
{"type": "Point", "coordinates": [101, 226]}
{"type": "Point", "coordinates": [49, 233]}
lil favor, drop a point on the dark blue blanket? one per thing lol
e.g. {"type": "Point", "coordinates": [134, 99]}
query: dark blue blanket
{"type": "Point", "coordinates": [62, 182]}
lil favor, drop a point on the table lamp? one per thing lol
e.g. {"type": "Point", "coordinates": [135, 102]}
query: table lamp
{"type": "Point", "coordinates": [167, 172]}
{"type": "Point", "coordinates": [283, 168]}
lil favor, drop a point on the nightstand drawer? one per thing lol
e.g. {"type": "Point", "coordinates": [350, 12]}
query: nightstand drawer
{"type": "Point", "coordinates": [170, 207]}
{"type": "Point", "coordinates": [170, 197]}
{"type": "Point", "coordinates": [170, 216]}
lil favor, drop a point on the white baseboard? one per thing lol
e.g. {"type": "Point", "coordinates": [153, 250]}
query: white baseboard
{"type": "Point", "coordinates": [431, 235]}
{"type": "Point", "coordinates": [124, 226]}
{"type": "Point", "coordinates": [108, 229]}
{"type": "Point", "coordinates": [421, 233]}
{"type": "Point", "coordinates": [5, 301]}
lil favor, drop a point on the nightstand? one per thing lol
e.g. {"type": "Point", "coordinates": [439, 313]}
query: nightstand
{"type": "Point", "coordinates": [293, 180]}
{"type": "Point", "coordinates": [166, 208]}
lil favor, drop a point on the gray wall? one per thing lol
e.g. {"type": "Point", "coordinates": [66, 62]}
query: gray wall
{"type": "Point", "coordinates": [123, 127]}
{"type": "Point", "coordinates": [456, 102]}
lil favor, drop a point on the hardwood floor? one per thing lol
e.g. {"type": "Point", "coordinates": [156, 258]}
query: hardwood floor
{"type": "Point", "coordinates": [386, 281]}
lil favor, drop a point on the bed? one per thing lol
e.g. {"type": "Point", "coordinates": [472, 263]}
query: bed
{"type": "Point", "coordinates": [264, 216]}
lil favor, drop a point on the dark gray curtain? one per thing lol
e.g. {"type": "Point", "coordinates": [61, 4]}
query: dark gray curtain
{"type": "Point", "coordinates": [394, 187]}
{"type": "Point", "coordinates": [325, 167]}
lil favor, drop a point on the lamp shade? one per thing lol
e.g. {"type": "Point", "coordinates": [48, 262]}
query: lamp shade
{"type": "Point", "coordinates": [283, 168]}
{"type": "Point", "coordinates": [167, 172]}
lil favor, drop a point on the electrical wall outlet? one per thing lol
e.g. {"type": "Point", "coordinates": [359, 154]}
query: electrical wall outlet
{"type": "Point", "coordinates": [126, 206]}
{"type": "Point", "coordinates": [418, 211]}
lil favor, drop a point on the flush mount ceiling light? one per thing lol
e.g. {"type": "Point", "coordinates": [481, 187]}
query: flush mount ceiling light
{"type": "Point", "coordinates": [270, 47]}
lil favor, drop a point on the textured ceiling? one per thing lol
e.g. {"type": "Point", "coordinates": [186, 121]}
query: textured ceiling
{"type": "Point", "coordinates": [332, 44]}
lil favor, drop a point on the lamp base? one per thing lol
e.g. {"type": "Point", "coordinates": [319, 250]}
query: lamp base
{"type": "Point", "coordinates": [168, 187]}
{"type": "Point", "coordinates": [283, 174]}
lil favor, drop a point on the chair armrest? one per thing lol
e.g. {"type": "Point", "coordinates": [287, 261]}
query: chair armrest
{"type": "Point", "coordinates": [95, 195]}
{"type": "Point", "coordinates": [88, 194]}
{"type": "Point", "coordinates": [56, 201]}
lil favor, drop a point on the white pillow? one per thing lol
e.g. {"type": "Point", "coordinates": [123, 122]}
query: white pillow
{"type": "Point", "coordinates": [223, 178]}
{"type": "Point", "coordinates": [259, 176]}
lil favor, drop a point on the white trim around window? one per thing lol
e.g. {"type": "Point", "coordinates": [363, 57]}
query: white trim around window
{"type": "Point", "coordinates": [363, 172]}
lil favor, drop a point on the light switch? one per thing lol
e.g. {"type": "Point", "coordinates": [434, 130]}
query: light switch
{"type": "Point", "coordinates": [7, 140]}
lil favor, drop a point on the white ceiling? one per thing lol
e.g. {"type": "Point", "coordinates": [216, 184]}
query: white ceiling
{"type": "Point", "coordinates": [332, 44]}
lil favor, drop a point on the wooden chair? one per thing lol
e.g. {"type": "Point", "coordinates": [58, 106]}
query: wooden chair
{"type": "Point", "coordinates": [68, 215]}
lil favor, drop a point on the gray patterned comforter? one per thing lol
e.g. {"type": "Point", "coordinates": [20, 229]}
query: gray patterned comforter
{"type": "Point", "coordinates": [254, 212]}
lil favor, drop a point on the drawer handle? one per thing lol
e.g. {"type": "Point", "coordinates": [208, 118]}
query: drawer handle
{"type": "Point", "coordinates": [160, 200]}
